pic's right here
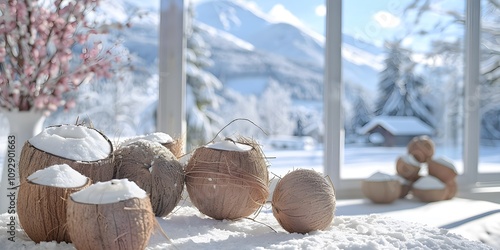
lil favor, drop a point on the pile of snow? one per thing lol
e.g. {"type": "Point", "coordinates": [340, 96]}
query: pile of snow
{"type": "Point", "coordinates": [189, 229]}
{"type": "Point", "coordinates": [228, 145]}
{"type": "Point", "coordinates": [62, 176]}
{"type": "Point", "coordinates": [109, 192]}
{"type": "Point", "coordinates": [159, 137]}
{"type": "Point", "coordinates": [72, 142]}
{"type": "Point", "coordinates": [379, 176]}
{"type": "Point", "coordinates": [429, 183]}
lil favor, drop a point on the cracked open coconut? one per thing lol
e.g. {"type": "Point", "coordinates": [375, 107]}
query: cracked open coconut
{"type": "Point", "coordinates": [42, 202]}
{"type": "Point", "coordinates": [85, 149]}
{"type": "Point", "coordinates": [116, 214]}
{"type": "Point", "coordinates": [174, 145]}
{"type": "Point", "coordinates": [429, 189]}
{"type": "Point", "coordinates": [381, 188]}
{"type": "Point", "coordinates": [228, 179]}
{"type": "Point", "coordinates": [153, 168]}
{"type": "Point", "coordinates": [408, 167]}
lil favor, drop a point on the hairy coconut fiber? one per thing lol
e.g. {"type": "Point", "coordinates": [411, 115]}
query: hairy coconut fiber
{"type": "Point", "coordinates": [422, 148]}
{"type": "Point", "coordinates": [33, 159]}
{"type": "Point", "coordinates": [121, 225]}
{"type": "Point", "coordinates": [383, 192]}
{"type": "Point", "coordinates": [176, 147]}
{"type": "Point", "coordinates": [42, 211]}
{"type": "Point", "coordinates": [225, 184]}
{"type": "Point", "coordinates": [154, 169]}
{"type": "Point", "coordinates": [304, 201]}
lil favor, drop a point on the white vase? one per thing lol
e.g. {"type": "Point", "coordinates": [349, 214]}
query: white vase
{"type": "Point", "coordinates": [23, 125]}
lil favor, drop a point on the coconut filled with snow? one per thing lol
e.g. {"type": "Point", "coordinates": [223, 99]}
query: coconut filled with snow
{"type": "Point", "coordinates": [115, 214]}
{"type": "Point", "coordinates": [443, 169]}
{"type": "Point", "coordinates": [408, 167]}
{"type": "Point", "coordinates": [422, 148]}
{"type": "Point", "coordinates": [429, 189]}
{"type": "Point", "coordinates": [154, 169]}
{"type": "Point", "coordinates": [42, 202]}
{"type": "Point", "coordinates": [174, 145]}
{"type": "Point", "coordinates": [228, 179]}
{"type": "Point", "coordinates": [381, 188]}
{"type": "Point", "coordinates": [85, 149]}
{"type": "Point", "coordinates": [304, 201]}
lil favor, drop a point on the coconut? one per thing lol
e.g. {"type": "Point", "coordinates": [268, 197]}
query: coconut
{"type": "Point", "coordinates": [381, 188]}
{"type": "Point", "coordinates": [422, 148]}
{"type": "Point", "coordinates": [174, 145]}
{"type": "Point", "coordinates": [85, 149]}
{"type": "Point", "coordinates": [304, 201]}
{"type": "Point", "coordinates": [429, 189]}
{"type": "Point", "coordinates": [42, 202]}
{"type": "Point", "coordinates": [116, 214]}
{"type": "Point", "coordinates": [452, 188]}
{"type": "Point", "coordinates": [442, 168]}
{"type": "Point", "coordinates": [408, 167]}
{"type": "Point", "coordinates": [405, 186]}
{"type": "Point", "coordinates": [154, 169]}
{"type": "Point", "coordinates": [228, 179]}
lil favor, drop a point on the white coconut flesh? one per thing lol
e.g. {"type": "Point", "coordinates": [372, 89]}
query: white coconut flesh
{"type": "Point", "coordinates": [159, 137]}
{"type": "Point", "coordinates": [429, 183]}
{"type": "Point", "coordinates": [380, 177]}
{"type": "Point", "coordinates": [60, 175]}
{"type": "Point", "coordinates": [109, 192]}
{"type": "Point", "coordinates": [228, 145]}
{"type": "Point", "coordinates": [445, 162]}
{"type": "Point", "coordinates": [410, 159]}
{"type": "Point", "coordinates": [73, 142]}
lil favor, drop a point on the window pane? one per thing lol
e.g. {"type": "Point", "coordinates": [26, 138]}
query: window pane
{"type": "Point", "coordinates": [489, 156]}
{"type": "Point", "coordinates": [402, 73]}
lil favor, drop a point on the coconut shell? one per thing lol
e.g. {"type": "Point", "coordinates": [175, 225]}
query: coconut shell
{"type": "Point", "coordinates": [33, 159]}
{"type": "Point", "coordinates": [304, 201]}
{"type": "Point", "coordinates": [407, 170]}
{"type": "Point", "coordinates": [42, 211]}
{"type": "Point", "coordinates": [441, 171]}
{"type": "Point", "coordinates": [122, 225]}
{"type": "Point", "coordinates": [154, 169]}
{"type": "Point", "coordinates": [383, 192]}
{"type": "Point", "coordinates": [422, 148]}
{"type": "Point", "coordinates": [228, 184]}
{"type": "Point", "coordinates": [452, 188]}
{"type": "Point", "coordinates": [176, 147]}
{"type": "Point", "coordinates": [430, 195]}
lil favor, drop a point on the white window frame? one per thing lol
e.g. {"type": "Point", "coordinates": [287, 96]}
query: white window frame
{"type": "Point", "coordinates": [171, 113]}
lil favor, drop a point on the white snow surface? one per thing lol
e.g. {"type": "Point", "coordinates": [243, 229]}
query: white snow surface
{"type": "Point", "coordinates": [429, 183]}
{"type": "Point", "coordinates": [159, 137]}
{"type": "Point", "coordinates": [59, 175]}
{"type": "Point", "coordinates": [410, 159]}
{"type": "Point", "coordinates": [387, 227]}
{"type": "Point", "coordinates": [228, 145]}
{"type": "Point", "coordinates": [72, 142]}
{"type": "Point", "coordinates": [379, 176]}
{"type": "Point", "coordinates": [109, 192]}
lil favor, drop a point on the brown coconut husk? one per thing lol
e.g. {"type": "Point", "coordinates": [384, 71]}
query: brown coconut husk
{"type": "Point", "coordinates": [164, 183]}
{"type": "Point", "coordinates": [42, 211]}
{"type": "Point", "coordinates": [422, 148]}
{"type": "Point", "coordinates": [176, 147]}
{"type": "Point", "coordinates": [33, 159]}
{"type": "Point", "coordinates": [430, 195]}
{"type": "Point", "coordinates": [121, 225]}
{"type": "Point", "coordinates": [304, 201]}
{"type": "Point", "coordinates": [407, 170]}
{"type": "Point", "coordinates": [452, 188]}
{"type": "Point", "coordinates": [228, 184]}
{"type": "Point", "coordinates": [441, 171]}
{"type": "Point", "coordinates": [383, 192]}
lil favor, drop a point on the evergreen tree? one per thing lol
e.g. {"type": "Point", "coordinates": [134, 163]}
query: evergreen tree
{"type": "Point", "coordinates": [201, 86]}
{"type": "Point", "coordinates": [362, 113]}
{"type": "Point", "coordinates": [403, 93]}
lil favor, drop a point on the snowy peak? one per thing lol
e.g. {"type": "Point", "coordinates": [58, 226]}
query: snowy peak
{"type": "Point", "coordinates": [289, 41]}
{"type": "Point", "coordinates": [234, 17]}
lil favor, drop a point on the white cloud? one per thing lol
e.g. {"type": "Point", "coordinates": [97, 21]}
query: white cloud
{"type": "Point", "coordinates": [386, 19]}
{"type": "Point", "coordinates": [320, 10]}
{"type": "Point", "coordinates": [280, 14]}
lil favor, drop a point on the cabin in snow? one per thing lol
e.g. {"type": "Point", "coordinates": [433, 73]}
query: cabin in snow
{"type": "Point", "coordinates": [392, 131]}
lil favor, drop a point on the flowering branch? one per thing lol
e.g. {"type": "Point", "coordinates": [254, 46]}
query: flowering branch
{"type": "Point", "coordinates": [39, 60]}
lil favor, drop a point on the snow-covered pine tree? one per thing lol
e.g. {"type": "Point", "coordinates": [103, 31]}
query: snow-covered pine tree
{"type": "Point", "coordinates": [361, 113]}
{"type": "Point", "coordinates": [408, 96]}
{"type": "Point", "coordinates": [201, 86]}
